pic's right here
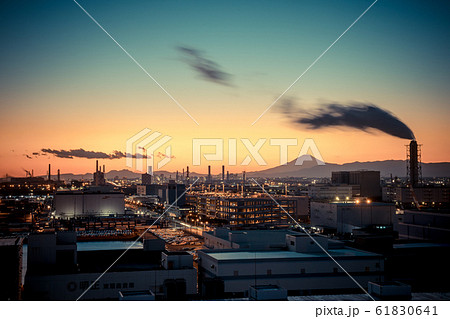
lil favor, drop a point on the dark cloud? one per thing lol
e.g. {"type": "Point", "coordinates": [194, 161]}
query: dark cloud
{"type": "Point", "coordinates": [208, 69]}
{"type": "Point", "coordinates": [27, 156]}
{"type": "Point", "coordinates": [81, 153]}
{"type": "Point", "coordinates": [162, 155]}
{"type": "Point", "coordinates": [359, 116]}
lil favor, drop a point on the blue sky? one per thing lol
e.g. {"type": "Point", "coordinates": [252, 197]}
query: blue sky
{"type": "Point", "coordinates": [396, 56]}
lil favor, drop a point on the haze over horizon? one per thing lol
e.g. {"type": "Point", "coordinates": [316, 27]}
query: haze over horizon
{"type": "Point", "coordinates": [70, 95]}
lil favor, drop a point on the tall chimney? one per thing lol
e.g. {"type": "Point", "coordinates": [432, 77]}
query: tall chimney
{"type": "Point", "coordinates": [103, 168]}
{"type": "Point", "coordinates": [187, 173]}
{"type": "Point", "coordinates": [209, 173]}
{"type": "Point", "coordinates": [49, 171]}
{"type": "Point", "coordinates": [228, 176]}
{"type": "Point", "coordinates": [59, 176]}
{"type": "Point", "coordinates": [414, 163]}
{"type": "Point", "coordinates": [223, 173]}
{"type": "Point", "coordinates": [32, 173]}
{"type": "Point", "coordinates": [243, 183]}
{"type": "Point", "coordinates": [96, 166]}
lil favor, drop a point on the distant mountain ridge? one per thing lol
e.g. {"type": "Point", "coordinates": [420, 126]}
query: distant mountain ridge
{"type": "Point", "coordinates": [309, 168]}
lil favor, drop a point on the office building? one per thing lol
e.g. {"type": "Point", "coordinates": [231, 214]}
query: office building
{"type": "Point", "coordinates": [429, 196]}
{"type": "Point", "coordinates": [368, 181]}
{"type": "Point", "coordinates": [256, 210]}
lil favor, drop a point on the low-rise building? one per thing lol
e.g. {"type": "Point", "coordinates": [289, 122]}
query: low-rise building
{"type": "Point", "coordinates": [344, 217]}
{"type": "Point", "coordinates": [430, 196]}
{"type": "Point", "coordinates": [223, 238]}
{"type": "Point", "coordinates": [302, 269]}
{"type": "Point", "coordinates": [331, 192]}
{"type": "Point", "coordinates": [430, 225]}
{"type": "Point", "coordinates": [89, 202]}
{"type": "Point", "coordinates": [53, 275]}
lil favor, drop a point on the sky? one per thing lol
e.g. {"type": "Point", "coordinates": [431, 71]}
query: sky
{"type": "Point", "coordinates": [65, 85]}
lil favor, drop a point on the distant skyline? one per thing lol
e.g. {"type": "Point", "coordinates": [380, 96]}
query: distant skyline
{"type": "Point", "coordinates": [65, 85]}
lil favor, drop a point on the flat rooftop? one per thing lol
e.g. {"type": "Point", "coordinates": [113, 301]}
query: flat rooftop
{"type": "Point", "coordinates": [362, 204]}
{"type": "Point", "coordinates": [137, 293]}
{"type": "Point", "coordinates": [423, 296]}
{"type": "Point", "coordinates": [11, 241]}
{"type": "Point", "coordinates": [420, 245]}
{"type": "Point", "coordinates": [282, 254]}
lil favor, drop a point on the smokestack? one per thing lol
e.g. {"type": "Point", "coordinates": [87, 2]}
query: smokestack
{"type": "Point", "coordinates": [223, 173]}
{"type": "Point", "coordinates": [243, 183]}
{"type": "Point", "coordinates": [209, 173]}
{"type": "Point", "coordinates": [187, 173]}
{"type": "Point", "coordinates": [414, 163]}
{"type": "Point", "coordinates": [32, 173]}
{"type": "Point", "coordinates": [96, 166]}
{"type": "Point", "coordinates": [59, 176]}
{"type": "Point", "coordinates": [49, 171]}
{"type": "Point", "coordinates": [104, 169]}
{"type": "Point", "coordinates": [176, 178]}
{"type": "Point", "coordinates": [228, 176]}
{"type": "Point", "coordinates": [183, 173]}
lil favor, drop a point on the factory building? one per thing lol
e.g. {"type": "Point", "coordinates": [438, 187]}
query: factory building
{"type": "Point", "coordinates": [167, 193]}
{"type": "Point", "coordinates": [344, 217]}
{"type": "Point", "coordinates": [429, 225]}
{"type": "Point", "coordinates": [57, 271]}
{"type": "Point", "coordinates": [224, 238]}
{"type": "Point", "coordinates": [301, 269]}
{"type": "Point", "coordinates": [99, 176]}
{"type": "Point", "coordinates": [88, 202]}
{"type": "Point", "coordinates": [331, 192]}
{"type": "Point", "coordinates": [424, 195]}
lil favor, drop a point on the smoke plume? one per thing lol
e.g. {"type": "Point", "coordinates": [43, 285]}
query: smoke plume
{"type": "Point", "coordinates": [207, 69]}
{"type": "Point", "coordinates": [359, 116]}
{"type": "Point", "coordinates": [81, 153]}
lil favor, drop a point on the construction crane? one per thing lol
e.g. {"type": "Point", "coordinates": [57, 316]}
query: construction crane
{"type": "Point", "coordinates": [27, 173]}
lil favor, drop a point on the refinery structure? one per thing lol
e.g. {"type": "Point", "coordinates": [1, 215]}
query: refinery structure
{"type": "Point", "coordinates": [213, 236]}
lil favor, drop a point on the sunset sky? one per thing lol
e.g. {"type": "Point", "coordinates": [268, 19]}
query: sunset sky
{"type": "Point", "coordinates": [65, 85]}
